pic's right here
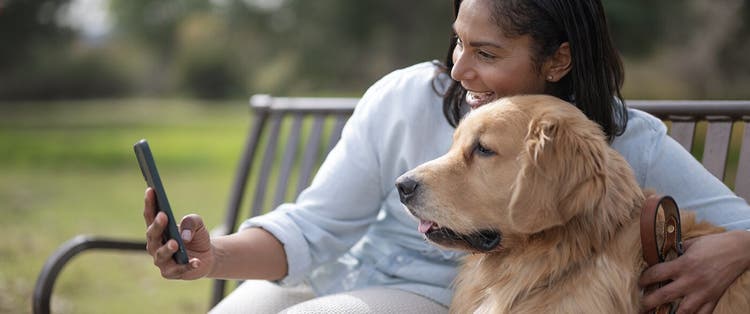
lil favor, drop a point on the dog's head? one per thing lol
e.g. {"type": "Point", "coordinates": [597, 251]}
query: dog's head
{"type": "Point", "coordinates": [517, 167]}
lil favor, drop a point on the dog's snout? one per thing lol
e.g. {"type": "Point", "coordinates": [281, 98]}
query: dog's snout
{"type": "Point", "coordinates": [407, 188]}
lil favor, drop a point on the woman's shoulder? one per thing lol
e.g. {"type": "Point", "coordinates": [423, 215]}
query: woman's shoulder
{"type": "Point", "coordinates": [421, 79]}
{"type": "Point", "coordinates": [414, 88]}
{"type": "Point", "coordinates": [643, 136]}
{"type": "Point", "coordinates": [642, 132]}
{"type": "Point", "coordinates": [644, 124]}
{"type": "Point", "coordinates": [420, 72]}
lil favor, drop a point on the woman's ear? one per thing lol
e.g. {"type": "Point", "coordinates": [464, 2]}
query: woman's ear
{"type": "Point", "coordinates": [559, 64]}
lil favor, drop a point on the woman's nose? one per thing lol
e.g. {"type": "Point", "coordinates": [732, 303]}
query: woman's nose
{"type": "Point", "coordinates": [462, 69]}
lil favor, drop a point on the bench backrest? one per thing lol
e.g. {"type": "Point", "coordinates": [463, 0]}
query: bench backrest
{"type": "Point", "coordinates": [290, 136]}
{"type": "Point", "coordinates": [715, 131]}
{"type": "Point", "coordinates": [287, 141]}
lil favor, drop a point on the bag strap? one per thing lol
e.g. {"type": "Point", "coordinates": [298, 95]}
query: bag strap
{"type": "Point", "coordinates": [671, 246]}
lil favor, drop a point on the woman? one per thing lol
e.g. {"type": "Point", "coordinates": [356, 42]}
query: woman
{"type": "Point", "coordinates": [347, 244]}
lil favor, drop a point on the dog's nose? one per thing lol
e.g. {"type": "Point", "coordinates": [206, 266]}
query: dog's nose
{"type": "Point", "coordinates": [407, 188]}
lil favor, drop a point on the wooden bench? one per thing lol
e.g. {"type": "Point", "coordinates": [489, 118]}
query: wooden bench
{"type": "Point", "coordinates": [289, 137]}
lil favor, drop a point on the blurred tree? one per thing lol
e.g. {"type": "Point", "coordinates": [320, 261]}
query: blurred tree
{"type": "Point", "coordinates": [638, 26]}
{"type": "Point", "coordinates": [205, 66]}
{"type": "Point", "coordinates": [299, 46]}
{"type": "Point", "coordinates": [154, 25]}
{"type": "Point", "coordinates": [231, 48]}
{"type": "Point", "coordinates": [39, 58]}
{"type": "Point", "coordinates": [26, 26]}
{"type": "Point", "coordinates": [734, 57]}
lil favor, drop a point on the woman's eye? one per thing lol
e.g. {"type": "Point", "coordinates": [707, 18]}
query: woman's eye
{"type": "Point", "coordinates": [483, 151]}
{"type": "Point", "coordinates": [459, 43]}
{"type": "Point", "coordinates": [485, 55]}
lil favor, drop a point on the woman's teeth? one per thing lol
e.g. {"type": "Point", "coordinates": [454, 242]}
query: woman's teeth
{"type": "Point", "coordinates": [477, 99]}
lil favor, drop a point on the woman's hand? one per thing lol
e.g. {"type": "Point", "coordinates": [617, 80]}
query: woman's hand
{"type": "Point", "coordinates": [710, 264]}
{"type": "Point", "coordinates": [194, 235]}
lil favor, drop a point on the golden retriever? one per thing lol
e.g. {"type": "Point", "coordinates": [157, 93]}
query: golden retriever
{"type": "Point", "coordinates": [549, 210]}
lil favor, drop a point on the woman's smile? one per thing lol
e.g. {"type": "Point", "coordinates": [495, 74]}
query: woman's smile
{"type": "Point", "coordinates": [478, 99]}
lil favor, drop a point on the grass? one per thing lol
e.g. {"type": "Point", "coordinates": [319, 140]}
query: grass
{"type": "Point", "coordinates": [68, 168]}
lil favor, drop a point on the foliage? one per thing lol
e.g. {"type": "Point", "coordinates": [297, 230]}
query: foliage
{"type": "Point", "coordinates": [26, 26]}
{"type": "Point", "coordinates": [233, 48]}
{"type": "Point", "coordinates": [62, 75]}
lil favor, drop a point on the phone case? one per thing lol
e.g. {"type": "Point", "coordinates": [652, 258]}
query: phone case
{"type": "Point", "coordinates": [151, 175]}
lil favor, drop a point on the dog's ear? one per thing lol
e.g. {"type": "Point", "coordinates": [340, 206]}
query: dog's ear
{"type": "Point", "coordinates": [561, 172]}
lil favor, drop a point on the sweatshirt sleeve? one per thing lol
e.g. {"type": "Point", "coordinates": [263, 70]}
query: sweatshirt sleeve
{"type": "Point", "coordinates": [344, 198]}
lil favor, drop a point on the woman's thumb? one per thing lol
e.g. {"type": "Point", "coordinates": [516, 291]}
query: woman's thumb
{"type": "Point", "coordinates": [189, 225]}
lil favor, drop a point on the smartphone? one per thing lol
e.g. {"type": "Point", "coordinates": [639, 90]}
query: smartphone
{"type": "Point", "coordinates": [151, 175]}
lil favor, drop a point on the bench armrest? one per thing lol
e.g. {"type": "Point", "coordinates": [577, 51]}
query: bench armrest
{"type": "Point", "coordinates": [55, 263]}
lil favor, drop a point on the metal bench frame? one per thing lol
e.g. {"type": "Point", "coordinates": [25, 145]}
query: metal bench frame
{"type": "Point", "coordinates": [328, 116]}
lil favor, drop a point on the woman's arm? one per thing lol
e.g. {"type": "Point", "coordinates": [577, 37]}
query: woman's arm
{"type": "Point", "coordinates": [710, 263]}
{"type": "Point", "coordinates": [249, 254]}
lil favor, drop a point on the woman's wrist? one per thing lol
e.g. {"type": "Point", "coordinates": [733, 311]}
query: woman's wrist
{"type": "Point", "coordinates": [218, 254]}
{"type": "Point", "coordinates": [252, 253]}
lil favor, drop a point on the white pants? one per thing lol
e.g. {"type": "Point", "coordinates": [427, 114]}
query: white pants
{"type": "Point", "coordinates": [259, 296]}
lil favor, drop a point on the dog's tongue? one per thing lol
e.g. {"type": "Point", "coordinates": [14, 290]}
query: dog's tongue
{"type": "Point", "coordinates": [425, 225]}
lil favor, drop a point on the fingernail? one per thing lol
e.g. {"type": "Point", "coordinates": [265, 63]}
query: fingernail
{"type": "Point", "coordinates": [187, 235]}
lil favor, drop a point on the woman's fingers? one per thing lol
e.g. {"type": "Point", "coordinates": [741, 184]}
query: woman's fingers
{"type": "Point", "coordinates": [163, 254]}
{"type": "Point", "coordinates": [154, 233]}
{"type": "Point", "coordinates": [659, 273]}
{"type": "Point", "coordinates": [170, 269]}
{"type": "Point", "coordinates": [149, 206]}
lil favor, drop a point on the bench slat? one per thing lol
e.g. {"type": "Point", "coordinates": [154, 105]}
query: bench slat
{"type": "Point", "coordinates": [742, 181]}
{"type": "Point", "coordinates": [290, 153]}
{"type": "Point", "coordinates": [243, 171]}
{"type": "Point", "coordinates": [311, 153]}
{"type": "Point", "coordinates": [683, 132]}
{"type": "Point", "coordinates": [717, 147]}
{"type": "Point", "coordinates": [267, 163]}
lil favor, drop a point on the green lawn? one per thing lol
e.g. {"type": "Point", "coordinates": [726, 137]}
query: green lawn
{"type": "Point", "coordinates": [68, 168]}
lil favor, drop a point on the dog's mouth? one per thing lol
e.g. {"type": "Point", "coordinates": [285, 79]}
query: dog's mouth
{"type": "Point", "coordinates": [482, 241]}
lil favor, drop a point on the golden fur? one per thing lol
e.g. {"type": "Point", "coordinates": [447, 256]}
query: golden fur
{"type": "Point", "coordinates": [564, 202]}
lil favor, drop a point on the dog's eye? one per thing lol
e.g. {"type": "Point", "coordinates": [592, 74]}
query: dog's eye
{"type": "Point", "coordinates": [483, 151]}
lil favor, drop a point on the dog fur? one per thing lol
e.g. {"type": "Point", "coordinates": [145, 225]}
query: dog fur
{"type": "Point", "coordinates": [533, 173]}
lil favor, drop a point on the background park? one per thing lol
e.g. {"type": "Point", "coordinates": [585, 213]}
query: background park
{"type": "Point", "coordinates": [82, 80]}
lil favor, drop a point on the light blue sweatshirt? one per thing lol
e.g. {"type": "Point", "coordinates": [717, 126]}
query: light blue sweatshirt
{"type": "Point", "coordinates": [349, 230]}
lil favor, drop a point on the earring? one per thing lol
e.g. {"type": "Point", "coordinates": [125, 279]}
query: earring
{"type": "Point", "coordinates": [550, 78]}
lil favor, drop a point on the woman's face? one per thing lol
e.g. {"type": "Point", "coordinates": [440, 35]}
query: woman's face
{"type": "Point", "coordinates": [488, 64]}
